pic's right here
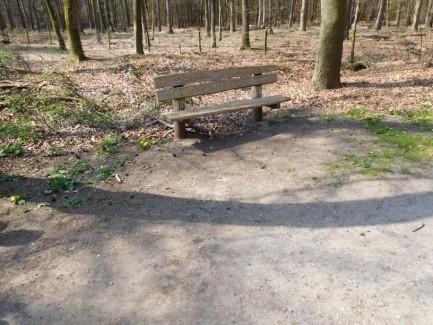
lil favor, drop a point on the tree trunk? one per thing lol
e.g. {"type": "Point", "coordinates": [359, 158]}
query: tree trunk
{"type": "Point", "coordinates": [220, 21]}
{"type": "Point", "coordinates": [138, 27]}
{"type": "Point", "coordinates": [55, 24]}
{"type": "Point", "coordinates": [245, 26]}
{"type": "Point", "coordinates": [292, 13]}
{"type": "Point", "coordinates": [416, 13]}
{"type": "Point", "coordinates": [158, 15]}
{"type": "Point", "coordinates": [328, 64]}
{"type": "Point", "coordinates": [428, 18]}
{"type": "Point", "coordinates": [144, 23]}
{"type": "Point", "coordinates": [169, 17]}
{"type": "Point", "coordinates": [348, 18]}
{"type": "Point", "coordinates": [232, 16]}
{"type": "Point", "coordinates": [398, 14]}
{"type": "Point", "coordinates": [380, 15]}
{"type": "Point", "coordinates": [213, 22]}
{"type": "Point", "coordinates": [22, 14]}
{"type": "Point", "coordinates": [355, 23]}
{"type": "Point", "coordinates": [11, 18]}
{"type": "Point", "coordinates": [207, 17]}
{"type": "Point", "coordinates": [71, 18]}
{"type": "Point", "coordinates": [303, 15]}
{"type": "Point", "coordinates": [259, 14]}
{"type": "Point", "coordinates": [408, 12]}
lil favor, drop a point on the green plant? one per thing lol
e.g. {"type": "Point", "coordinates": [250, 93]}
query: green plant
{"type": "Point", "coordinates": [53, 152]}
{"type": "Point", "coordinates": [80, 167]}
{"type": "Point", "coordinates": [146, 144]}
{"type": "Point", "coordinates": [60, 179]}
{"type": "Point", "coordinates": [11, 150]}
{"type": "Point", "coordinates": [19, 199]}
{"type": "Point", "coordinates": [23, 131]}
{"type": "Point", "coordinates": [71, 203]}
{"type": "Point", "coordinates": [110, 144]}
{"type": "Point", "coordinates": [104, 173]}
{"type": "Point", "coordinates": [283, 117]}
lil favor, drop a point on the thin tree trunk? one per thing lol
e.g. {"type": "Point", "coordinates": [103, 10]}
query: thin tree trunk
{"type": "Point", "coordinates": [328, 64]}
{"type": "Point", "coordinates": [348, 18]}
{"type": "Point", "coordinates": [398, 14]}
{"type": "Point", "coordinates": [22, 14]}
{"type": "Point", "coordinates": [292, 12]}
{"type": "Point", "coordinates": [428, 18]}
{"type": "Point", "coordinates": [232, 16]}
{"type": "Point", "coordinates": [303, 15]}
{"type": "Point", "coordinates": [213, 22]}
{"type": "Point", "coordinates": [55, 24]}
{"type": "Point", "coordinates": [245, 26]}
{"type": "Point", "coordinates": [416, 13]}
{"type": "Point", "coordinates": [355, 23]}
{"type": "Point", "coordinates": [138, 27]}
{"type": "Point", "coordinates": [408, 12]}
{"type": "Point", "coordinates": [144, 23]}
{"type": "Point", "coordinates": [71, 18]}
{"type": "Point", "coordinates": [220, 21]}
{"type": "Point", "coordinates": [259, 14]}
{"type": "Point", "coordinates": [207, 17]}
{"type": "Point", "coordinates": [11, 18]}
{"type": "Point", "coordinates": [127, 12]}
{"type": "Point", "coordinates": [169, 17]}
{"type": "Point", "coordinates": [380, 15]}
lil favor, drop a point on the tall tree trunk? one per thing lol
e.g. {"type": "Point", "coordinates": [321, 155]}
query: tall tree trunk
{"type": "Point", "coordinates": [429, 15]}
{"type": "Point", "coordinates": [127, 12]}
{"type": "Point", "coordinates": [259, 14]}
{"type": "Point", "coordinates": [328, 64]}
{"type": "Point", "coordinates": [55, 24]}
{"type": "Point", "coordinates": [355, 23]}
{"type": "Point", "coordinates": [292, 12]}
{"type": "Point", "coordinates": [138, 27]}
{"type": "Point", "coordinates": [207, 20]}
{"type": "Point", "coordinates": [220, 21]}
{"type": "Point", "coordinates": [398, 14]}
{"type": "Point", "coordinates": [348, 18]}
{"type": "Point", "coordinates": [11, 18]}
{"type": "Point", "coordinates": [21, 13]}
{"type": "Point", "coordinates": [380, 15]}
{"type": "Point", "coordinates": [169, 17]}
{"type": "Point", "coordinates": [97, 20]}
{"type": "Point", "coordinates": [416, 13]}
{"type": "Point", "coordinates": [245, 26]}
{"type": "Point", "coordinates": [71, 18]}
{"type": "Point", "coordinates": [144, 23]}
{"type": "Point", "coordinates": [232, 16]}
{"type": "Point", "coordinates": [408, 12]}
{"type": "Point", "coordinates": [158, 14]}
{"type": "Point", "coordinates": [303, 15]}
{"type": "Point", "coordinates": [213, 22]}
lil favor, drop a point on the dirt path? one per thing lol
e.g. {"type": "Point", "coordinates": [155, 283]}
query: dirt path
{"type": "Point", "coordinates": [249, 229]}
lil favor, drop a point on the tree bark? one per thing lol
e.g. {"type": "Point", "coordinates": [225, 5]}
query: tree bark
{"type": "Point", "coordinates": [398, 14]}
{"type": "Point", "coordinates": [55, 24]}
{"type": "Point", "coordinates": [232, 16]}
{"type": "Point", "coordinates": [416, 13]}
{"type": "Point", "coordinates": [207, 20]}
{"type": "Point", "coordinates": [220, 21]}
{"type": "Point", "coordinates": [213, 22]}
{"type": "Point", "coordinates": [380, 15]}
{"type": "Point", "coordinates": [11, 18]}
{"type": "Point", "coordinates": [245, 26]}
{"type": "Point", "coordinates": [292, 13]}
{"type": "Point", "coordinates": [303, 15]}
{"type": "Point", "coordinates": [429, 15]}
{"type": "Point", "coordinates": [71, 18]}
{"type": "Point", "coordinates": [328, 64]}
{"type": "Point", "coordinates": [138, 27]}
{"type": "Point", "coordinates": [169, 17]}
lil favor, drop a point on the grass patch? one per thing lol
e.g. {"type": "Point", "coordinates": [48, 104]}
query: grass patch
{"type": "Point", "coordinates": [110, 144]}
{"type": "Point", "coordinates": [11, 150]}
{"type": "Point", "coordinates": [327, 118]}
{"type": "Point", "coordinates": [23, 131]}
{"type": "Point", "coordinates": [104, 173]}
{"type": "Point", "coordinates": [145, 143]}
{"type": "Point", "coordinates": [422, 116]}
{"type": "Point", "coordinates": [71, 203]}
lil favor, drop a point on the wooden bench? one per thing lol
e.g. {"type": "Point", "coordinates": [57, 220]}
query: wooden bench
{"type": "Point", "coordinates": [179, 86]}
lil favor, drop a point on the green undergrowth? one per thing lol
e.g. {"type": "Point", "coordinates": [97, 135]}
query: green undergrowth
{"type": "Point", "coordinates": [391, 149]}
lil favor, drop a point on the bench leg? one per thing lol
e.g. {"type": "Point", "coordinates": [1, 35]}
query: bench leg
{"type": "Point", "coordinates": [179, 129]}
{"type": "Point", "coordinates": [258, 114]}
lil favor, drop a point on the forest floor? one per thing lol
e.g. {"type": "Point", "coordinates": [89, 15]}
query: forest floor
{"type": "Point", "coordinates": [319, 214]}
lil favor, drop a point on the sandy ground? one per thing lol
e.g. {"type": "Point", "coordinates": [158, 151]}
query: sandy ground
{"type": "Point", "coordinates": [219, 232]}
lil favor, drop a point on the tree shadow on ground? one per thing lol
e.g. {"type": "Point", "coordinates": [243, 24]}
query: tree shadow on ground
{"type": "Point", "coordinates": [17, 237]}
{"type": "Point", "coordinates": [394, 84]}
{"type": "Point", "coordinates": [108, 206]}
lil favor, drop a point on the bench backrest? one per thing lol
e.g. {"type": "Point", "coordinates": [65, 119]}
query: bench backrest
{"type": "Point", "coordinates": [189, 84]}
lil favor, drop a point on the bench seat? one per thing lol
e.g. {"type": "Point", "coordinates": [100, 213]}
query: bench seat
{"type": "Point", "coordinates": [195, 112]}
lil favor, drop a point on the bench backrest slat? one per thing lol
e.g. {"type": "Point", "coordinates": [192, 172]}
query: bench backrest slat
{"type": "Point", "coordinates": [214, 87]}
{"type": "Point", "coordinates": [186, 78]}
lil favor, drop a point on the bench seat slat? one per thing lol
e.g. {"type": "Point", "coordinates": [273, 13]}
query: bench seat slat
{"type": "Point", "coordinates": [224, 108]}
{"type": "Point", "coordinates": [214, 87]}
{"type": "Point", "coordinates": [185, 78]}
